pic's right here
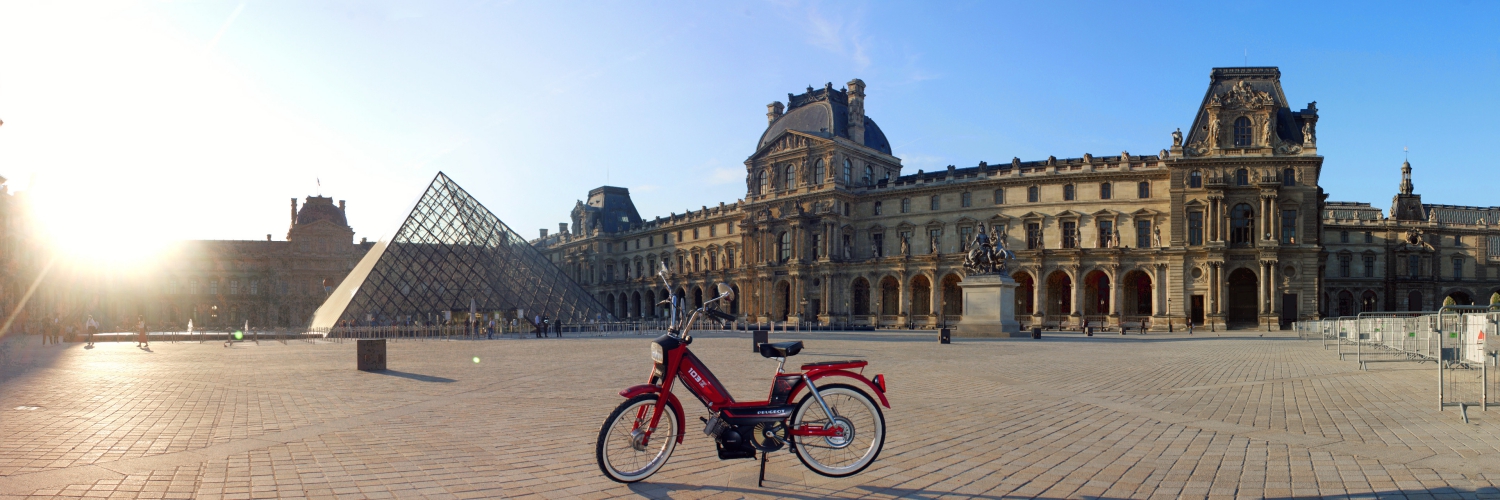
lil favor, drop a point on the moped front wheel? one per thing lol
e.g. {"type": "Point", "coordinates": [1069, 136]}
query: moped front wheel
{"type": "Point", "coordinates": [856, 415]}
{"type": "Point", "coordinates": [625, 453]}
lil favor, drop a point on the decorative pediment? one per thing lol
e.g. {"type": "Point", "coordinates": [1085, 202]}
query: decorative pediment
{"type": "Point", "coordinates": [1194, 203]}
{"type": "Point", "coordinates": [1032, 216]}
{"type": "Point", "coordinates": [789, 140]}
{"type": "Point", "coordinates": [1145, 212]}
{"type": "Point", "coordinates": [905, 226]}
{"type": "Point", "coordinates": [966, 220]}
{"type": "Point", "coordinates": [1000, 219]}
{"type": "Point", "coordinates": [1069, 214]}
{"type": "Point", "coordinates": [876, 228]}
{"type": "Point", "coordinates": [935, 223]}
{"type": "Point", "coordinates": [1105, 214]}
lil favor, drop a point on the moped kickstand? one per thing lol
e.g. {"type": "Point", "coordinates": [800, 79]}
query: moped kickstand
{"type": "Point", "coordinates": [762, 481]}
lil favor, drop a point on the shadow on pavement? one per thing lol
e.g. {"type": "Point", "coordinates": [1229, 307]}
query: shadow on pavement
{"type": "Point", "coordinates": [23, 353]}
{"type": "Point", "coordinates": [416, 377]}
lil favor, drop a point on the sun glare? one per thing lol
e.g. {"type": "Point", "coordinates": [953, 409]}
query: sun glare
{"type": "Point", "coordinates": [90, 234]}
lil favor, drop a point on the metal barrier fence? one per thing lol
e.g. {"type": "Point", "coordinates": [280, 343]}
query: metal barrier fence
{"type": "Point", "coordinates": [1455, 338]}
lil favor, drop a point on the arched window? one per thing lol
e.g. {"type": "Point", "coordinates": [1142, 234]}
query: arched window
{"type": "Point", "coordinates": [1033, 194]}
{"type": "Point", "coordinates": [1195, 179]}
{"type": "Point", "coordinates": [1106, 191]}
{"type": "Point", "coordinates": [1289, 177]}
{"type": "Point", "coordinates": [848, 173]}
{"type": "Point", "coordinates": [783, 247]}
{"type": "Point", "coordinates": [869, 176]}
{"type": "Point", "coordinates": [1241, 132]}
{"type": "Point", "coordinates": [1241, 219]}
{"type": "Point", "coordinates": [760, 182]}
{"type": "Point", "coordinates": [818, 173]}
{"type": "Point", "coordinates": [1242, 177]}
{"type": "Point", "coordinates": [789, 178]}
{"type": "Point", "coordinates": [1143, 190]}
{"type": "Point", "coordinates": [1067, 192]}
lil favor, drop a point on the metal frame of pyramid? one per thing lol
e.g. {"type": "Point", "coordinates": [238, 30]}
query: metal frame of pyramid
{"type": "Point", "coordinates": [452, 254]}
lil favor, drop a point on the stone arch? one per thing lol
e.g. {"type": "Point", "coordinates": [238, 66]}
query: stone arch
{"type": "Point", "coordinates": [635, 305]}
{"type": "Point", "coordinates": [1025, 292]}
{"type": "Point", "coordinates": [1135, 290]}
{"type": "Point", "coordinates": [1414, 301]}
{"type": "Point", "coordinates": [1243, 299]}
{"type": "Point", "coordinates": [1369, 301]}
{"type": "Point", "coordinates": [781, 301]}
{"type": "Point", "coordinates": [921, 295]}
{"type": "Point", "coordinates": [1460, 297]}
{"type": "Point", "coordinates": [890, 296]}
{"type": "Point", "coordinates": [697, 297]}
{"type": "Point", "coordinates": [610, 302]}
{"type": "Point", "coordinates": [734, 305]}
{"type": "Point", "coordinates": [1059, 293]}
{"type": "Point", "coordinates": [1345, 303]}
{"type": "Point", "coordinates": [1096, 293]}
{"type": "Point", "coordinates": [860, 297]}
{"type": "Point", "coordinates": [953, 295]}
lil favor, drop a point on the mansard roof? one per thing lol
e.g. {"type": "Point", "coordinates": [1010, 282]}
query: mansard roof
{"type": "Point", "coordinates": [1454, 214]}
{"type": "Point", "coordinates": [824, 113]}
{"type": "Point", "coordinates": [1229, 81]}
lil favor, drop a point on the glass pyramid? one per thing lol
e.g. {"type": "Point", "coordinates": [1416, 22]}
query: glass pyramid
{"type": "Point", "coordinates": [453, 255]}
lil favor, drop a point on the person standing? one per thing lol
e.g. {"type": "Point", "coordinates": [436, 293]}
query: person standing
{"type": "Point", "coordinates": [141, 340]}
{"type": "Point", "coordinates": [91, 327]}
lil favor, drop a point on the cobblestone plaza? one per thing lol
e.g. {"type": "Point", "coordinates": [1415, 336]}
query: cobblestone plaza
{"type": "Point", "coordinates": [1068, 416]}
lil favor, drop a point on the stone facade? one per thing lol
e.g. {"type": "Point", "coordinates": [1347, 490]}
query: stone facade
{"type": "Point", "coordinates": [216, 283]}
{"type": "Point", "coordinates": [1412, 259]}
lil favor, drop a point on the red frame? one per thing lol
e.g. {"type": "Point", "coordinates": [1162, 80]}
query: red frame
{"type": "Point", "coordinates": [706, 387]}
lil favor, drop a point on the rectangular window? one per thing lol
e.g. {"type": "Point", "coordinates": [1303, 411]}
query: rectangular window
{"type": "Point", "coordinates": [1458, 240]}
{"type": "Point", "coordinates": [213, 287]}
{"type": "Point", "coordinates": [1033, 235]}
{"type": "Point", "coordinates": [1106, 191]}
{"type": "Point", "coordinates": [1289, 227]}
{"type": "Point", "coordinates": [1000, 196]}
{"type": "Point", "coordinates": [1369, 266]}
{"type": "Point", "coordinates": [679, 236]}
{"type": "Point", "coordinates": [1033, 194]}
{"type": "Point", "coordinates": [1343, 236]}
{"type": "Point", "coordinates": [1143, 190]}
{"type": "Point", "coordinates": [1070, 234]}
{"type": "Point", "coordinates": [729, 254]}
{"type": "Point", "coordinates": [1106, 232]}
{"type": "Point", "coordinates": [877, 242]}
{"type": "Point", "coordinates": [1369, 237]}
{"type": "Point", "coordinates": [729, 228]}
{"type": "Point", "coordinates": [1458, 268]}
{"type": "Point", "coordinates": [695, 233]}
{"type": "Point", "coordinates": [713, 230]}
{"type": "Point", "coordinates": [935, 203]}
{"type": "Point", "coordinates": [877, 208]}
{"type": "Point", "coordinates": [234, 287]}
{"type": "Point", "coordinates": [967, 200]}
{"type": "Point", "coordinates": [651, 241]}
{"type": "Point", "coordinates": [1344, 266]}
{"type": "Point", "coordinates": [1413, 266]}
{"type": "Point", "coordinates": [817, 243]}
{"type": "Point", "coordinates": [905, 205]}
{"type": "Point", "coordinates": [965, 236]}
{"type": "Point", "coordinates": [1143, 234]}
{"type": "Point", "coordinates": [1195, 228]}
{"type": "Point", "coordinates": [172, 287]}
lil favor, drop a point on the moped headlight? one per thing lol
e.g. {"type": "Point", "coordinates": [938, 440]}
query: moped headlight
{"type": "Point", "coordinates": [656, 353]}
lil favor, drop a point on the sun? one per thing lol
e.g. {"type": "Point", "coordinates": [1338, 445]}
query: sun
{"type": "Point", "coordinates": [105, 234]}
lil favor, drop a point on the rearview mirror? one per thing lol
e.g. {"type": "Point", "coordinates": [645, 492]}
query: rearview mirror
{"type": "Point", "coordinates": [726, 292]}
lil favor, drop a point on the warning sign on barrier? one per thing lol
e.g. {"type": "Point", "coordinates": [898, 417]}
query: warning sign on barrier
{"type": "Point", "coordinates": [1477, 327]}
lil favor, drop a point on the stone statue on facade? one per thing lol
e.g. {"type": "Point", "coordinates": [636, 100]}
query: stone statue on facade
{"type": "Point", "coordinates": [1156, 237]}
{"type": "Point", "coordinates": [1309, 134]}
{"type": "Point", "coordinates": [848, 252]}
{"type": "Point", "coordinates": [874, 250]}
{"type": "Point", "coordinates": [1177, 138]}
{"type": "Point", "coordinates": [987, 256]}
{"type": "Point", "coordinates": [933, 242]}
{"type": "Point", "coordinates": [905, 247]}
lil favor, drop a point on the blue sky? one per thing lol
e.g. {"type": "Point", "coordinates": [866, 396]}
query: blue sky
{"type": "Point", "coordinates": [201, 119]}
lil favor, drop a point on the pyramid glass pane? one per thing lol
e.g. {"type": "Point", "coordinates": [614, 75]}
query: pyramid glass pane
{"type": "Point", "coordinates": [452, 254]}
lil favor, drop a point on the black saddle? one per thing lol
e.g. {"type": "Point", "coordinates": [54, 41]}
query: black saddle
{"type": "Point", "coordinates": [781, 349]}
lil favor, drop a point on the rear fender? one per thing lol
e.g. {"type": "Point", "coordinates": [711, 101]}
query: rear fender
{"type": "Point", "coordinates": [672, 401]}
{"type": "Point", "coordinates": [820, 375]}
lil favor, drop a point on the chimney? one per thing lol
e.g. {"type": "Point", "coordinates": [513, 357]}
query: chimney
{"type": "Point", "coordinates": [544, 233]}
{"type": "Point", "coordinates": [773, 111]}
{"type": "Point", "coordinates": [268, 237]}
{"type": "Point", "coordinates": [363, 240]}
{"type": "Point", "coordinates": [857, 111]}
{"type": "Point", "coordinates": [341, 205]}
{"type": "Point", "coordinates": [294, 211]}
{"type": "Point", "coordinates": [562, 228]}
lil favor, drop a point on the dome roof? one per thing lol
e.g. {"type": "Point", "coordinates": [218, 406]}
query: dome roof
{"type": "Point", "coordinates": [823, 113]}
{"type": "Point", "coordinates": [318, 208]}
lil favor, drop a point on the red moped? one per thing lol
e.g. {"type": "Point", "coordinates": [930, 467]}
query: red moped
{"type": "Point", "coordinates": [835, 428]}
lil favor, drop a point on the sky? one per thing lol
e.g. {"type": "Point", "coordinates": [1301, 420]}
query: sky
{"type": "Point", "coordinates": [134, 123]}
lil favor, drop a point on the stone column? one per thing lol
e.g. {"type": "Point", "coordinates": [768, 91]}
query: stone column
{"type": "Point", "coordinates": [1223, 287]}
{"type": "Point", "coordinates": [1212, 224]}
{"type": "Point", "coordinates": [1077, 306]}
{"type": "Point", "coordinates": [1156, 290]}
{"type": "Point", "coordinates": [1114, 291]}
{"type": "Point", "coordinates": [1262, 289]}
{"type": "Point", "coordinates": [935, 295]}
{"type": "Point", "coordinates": [1039, 295]}
{"type": "Point", "coordinates": [1271, 286]}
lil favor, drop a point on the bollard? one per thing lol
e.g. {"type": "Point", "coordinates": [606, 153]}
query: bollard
{"type": "Point", "coordinates": [1123, 329]}
{"type": "Point", "coordinates": [1036, 332]}
{"type": "Point", "coordinates": [944, 336]}
{"type": "Point", "coordinates": [371, 355]}
{"type": "Point", "coordinates": [1088, 331]}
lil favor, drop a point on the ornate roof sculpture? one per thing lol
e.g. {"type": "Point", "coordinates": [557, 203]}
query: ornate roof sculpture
{"type": "Point", "coordinates": [1252, 93]}
{"type": "Point", "coordinates": [321, 208]}
{"type": "Point", "coordinates": [452, 254]}
{"type": "Point", "coordinates": [826, 113]}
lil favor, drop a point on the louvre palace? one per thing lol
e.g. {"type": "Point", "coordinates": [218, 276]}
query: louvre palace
{"type": "Point", "coordinates": [1225, 226]}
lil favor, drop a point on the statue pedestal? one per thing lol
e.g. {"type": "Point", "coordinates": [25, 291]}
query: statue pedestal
{"type": "Point", "coordinates": [989, 307]}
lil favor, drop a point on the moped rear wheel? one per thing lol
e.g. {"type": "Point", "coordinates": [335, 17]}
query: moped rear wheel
{"type": "Point", "coordinates": [853, 412]}
{"type": "Point", "coordinates": [625, 454]}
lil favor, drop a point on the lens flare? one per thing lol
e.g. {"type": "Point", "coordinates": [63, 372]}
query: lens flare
{"type": "Point", "coordinates": [238, 335]}
{"type": "Point", "coordinates": [476, 360]}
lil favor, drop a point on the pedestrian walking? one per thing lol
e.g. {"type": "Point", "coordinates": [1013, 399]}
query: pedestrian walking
{"type": "Point", "coordinates": [91, 327]}
{"type": "Point", "coordinates": [141, 339]}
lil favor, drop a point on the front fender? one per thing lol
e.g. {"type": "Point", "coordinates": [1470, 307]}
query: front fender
{"type": "Point", "coordinates": [672, 401]}
{"type": "Point", "coordinates": [845, 374]}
